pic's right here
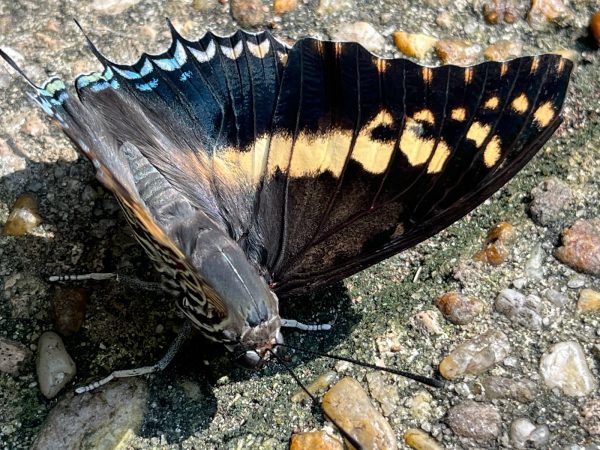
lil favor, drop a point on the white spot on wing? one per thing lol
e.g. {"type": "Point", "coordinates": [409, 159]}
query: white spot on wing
{"type": "Point", "coordinates": [179, 59]}
{"type": "Point", "coordinates": [261, 50]}
{"type": "Point", "coordinates": [204, 56]}
{"type": "Point", "coordinates": [235, 52]}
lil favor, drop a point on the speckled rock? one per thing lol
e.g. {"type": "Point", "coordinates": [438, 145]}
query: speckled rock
{"type": "Point", "coordinates": [534, 266]}
{"type": "Point", "coordinates": [327, 7]}
{"type": "Point", "coordinates": [555, 297]}
{"type": "Point", "coordinates": [458, 51]}
{"type": "Point", "coordinates": [23, 216]}
{"type": "Point", "coordinates": [283, 6]}
{"type": "Point", "coordinates": [478, 421]}
{"type": "Point", "coordinates": [589, 301]}
{"type": "Point", "coordinates": [427, 322]}
{"type": "Point", "coordinates": [564, 367]}
{"type": "Point", "coordinates": [385, 392]}
{"type": "Point", "coordinates": [590, 416]}
{"type": "Point", "coordinates": [247, 13]}
{"type": "Point", "coordinates": [348, 404]}
{"type": "Point", "coordinates": [581, 246]}
{"type": "Point", "coordinates": [524, 434]}
{"type": "Point", "coordinates": [68, 309]}
{"type": "Point", "coordinates": [503, 50]}
{"type": "Point", "coordinates": [315, 440]}
{"type": "Point", "coordinates": [497, 11]}
{"type": "Point", "coordinates": [498, 241]}
{"type": "Point", "coordinates": [457, 308]}
{"type": "Point", "coordinates": [525, 311]}
{"type": "Point", "coordinates": [421, 405]}
{"type": "Point", "coordinates": [54, 367]}
{"type": "Point", "coordinates": [545, 12]}
{"type": "Point", "coordinates": [595, 27]}
{"type": "Point", "coordinates": [415, 45]}
{"type": "Point", "coordinates": [13, 356]}
{"type": "Point", "coordinates": [476, 355]}
{"type": "Point", "coordinates": [550, 202]}
{"type": "Point", "coordinates": [112, 7]}
{"type": "Point", "coordinates": [498, 388]}
{"type": "Point", "coordinates": [362, 32]}
{"type": "Point", "coordinates": [419, 440]}
{"type": "Point", "coordinates": [101, 420]}
{"type": "Point", "coordinates": [315, 387]}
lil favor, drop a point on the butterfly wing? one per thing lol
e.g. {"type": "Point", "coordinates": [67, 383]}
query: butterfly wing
{"type": "Point", "coordinates": [370, 156]}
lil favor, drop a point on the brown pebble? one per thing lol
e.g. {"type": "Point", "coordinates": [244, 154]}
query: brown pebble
{"type": "Point", "coordinates": [595, 27]}
{"type": "Point", "coordinates": [427, 322]}
{"type": "Point", "coordinates": [415, 45]}
{"type": "Point", "coordinates": [315, 440]}
{"type": "Point", "coordinates": [68, 309]}
{"type": "Point", "coordinates": [457, 308]}
{"type": "Point", "coordinates": [503, 50]}
{"type": "Point", "coordinates": [589, 301]}
{"type": "Point", "coordinates": [316, 387]}
{"type": "Point", "coordinates": [348, 404]}
{"type": "Point", "coordinates": [497, 244]}
{"type": "Point", "coordinates": [544, 12]}
{"type": "Point", "coordinates": [13, 356]}
{"type": "Point", "coordinates": [458, 51]}
{"type": "Point", "coordinates": [419, 440]}
{"type": "Point", "coordinates": [283, 6]}
{"type": "Point", "coordinates": [478, 421]}
{"type": "Point", "coordinates": [23, 216]}
{"type": "Point", "coordinates": [497, 11]}
{"type": "Point", "coordinates": [581, 246]}
{"type": "Point", "coordinates": [248, 13]}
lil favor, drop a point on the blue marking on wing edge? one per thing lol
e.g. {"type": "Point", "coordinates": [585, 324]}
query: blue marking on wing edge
{"type": "Point", "coordinates": [147, 86]}
{"type": "Point", "coordinates": [185, 75]}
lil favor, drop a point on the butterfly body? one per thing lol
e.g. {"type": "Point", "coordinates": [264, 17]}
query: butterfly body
{"type": "Point", "coordinates": [251, 171]}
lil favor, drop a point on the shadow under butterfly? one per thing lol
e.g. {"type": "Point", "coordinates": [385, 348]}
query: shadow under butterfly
{"type": "Point", "coordinates": [251, 171]}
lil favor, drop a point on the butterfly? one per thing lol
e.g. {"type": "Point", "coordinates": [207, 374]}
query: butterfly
{"type": "Point", "coordinates": [251, 171]}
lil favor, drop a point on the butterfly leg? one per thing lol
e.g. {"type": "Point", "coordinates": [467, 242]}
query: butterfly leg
{"type": "Point", "coordinates": [182, 336]}
{"type": "Point", "coordinates": [304, 326]}
{"type": "Point", "coordinates": [131, 281]}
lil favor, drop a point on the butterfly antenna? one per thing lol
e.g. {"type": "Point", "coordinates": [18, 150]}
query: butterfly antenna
{"type": "Point", "coordinates": [315, 402]}
{"type": "Point", "coordinates": [105, 62]}
{"type": "Point", "coordinates": [14, 65]}
{"type": "Point", "coordinates": [433, 382]}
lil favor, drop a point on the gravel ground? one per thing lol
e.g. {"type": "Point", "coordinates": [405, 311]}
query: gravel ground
{"type": "Point", "coordinates": [195, 404]}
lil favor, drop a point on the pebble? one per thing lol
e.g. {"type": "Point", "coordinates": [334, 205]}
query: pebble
{"type": "Point", "coordinates": [589, 301]}
{"type": "Point", "coordinates": [564, 366]}
{"type": "Point", "coordinates": [497, 11]}
{"type": "Point", "coordinates": [113, 7]}
{"type": "Point", "coordinates": [497, 244]}
{"type": "Point", "coordinates": [458, 52]}
{"type": "Point", "coordinates": [534, 266]}
{"type": "Point", "coordinates": [556, 298]}
{"type": "Point", "coordinates": [500, 388]}
{"type": "Point", "coordinates": [247, 13]}
{"type": "Point", "coordinates": [100, 420]}
{"type": "Point", "coordinates": [204, 5]}
{"type": "Point", "coordinates": [13, 356]}
{"type": "Point", "coordinates": [427, 322]}
{"type": "Point", "coordinates": [421, 405]}
{"type": "Point", "coordinates": [524, 434]}
{"type": "Point", "coordinates": [595, 27]}
{"type": "Point", "coordinates": [415, 45]}
{"type": "Point", "coordinates": [503, 50]}
{"type": "Point", "coordinates": [54, 366]}
{"type": "Point", "coordinates": [545, 12]}
{"type": "Point", "coordinates": [550, 201]}
{"type": "Point", "coordinates": [590, 417]}
{"type": "Point", "coordinates": [317, 386]}
{"type": "Point", "coordinates": [34, 126]}
{"type": "Point", "coordinates": [457, 308]}
{"type": "Point", "coordinates": [476, 355]}
{"type": "Point", "coordinates": [520, 309]}
{"type": "Point", "coordinates": [576, 282]}
{"type": "Point", "coordinates": [581, 246]}
{"type": "Point", "coordinates": [419, 440]}
{"type": "Point", "coordinates": [317, 440]}
{"type": "Point", "coordinates": [68, 309]}
{"type": "Point", "coordinates": [328, 7]}
{"type": "Point", "coordinates": [478, 421]}
{"type": "Point", "coordinates": [348, 404]}
{"type": "Point", "coordinates": [23, 216]}
{"type": "Point", "coordinates": [383, 391]}
{"type": "Point", "coordinates": [283, 6]}
{"type": "Point", "coordinates": [362, 32]}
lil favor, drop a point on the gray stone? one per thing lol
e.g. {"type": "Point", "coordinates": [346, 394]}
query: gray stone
{"type": "Point", "coordinates": [54, 367]}
{"type": "Point", "coordinates": [478, 421]}
{"type": "Point", "coordinates": [524, 434]}
{"type": "Point", "coordinates": [13, 356]}
{"type": "Point", "coordinates": [565, 367]}
{"type": "Point", "coordinates": [518, 308]}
